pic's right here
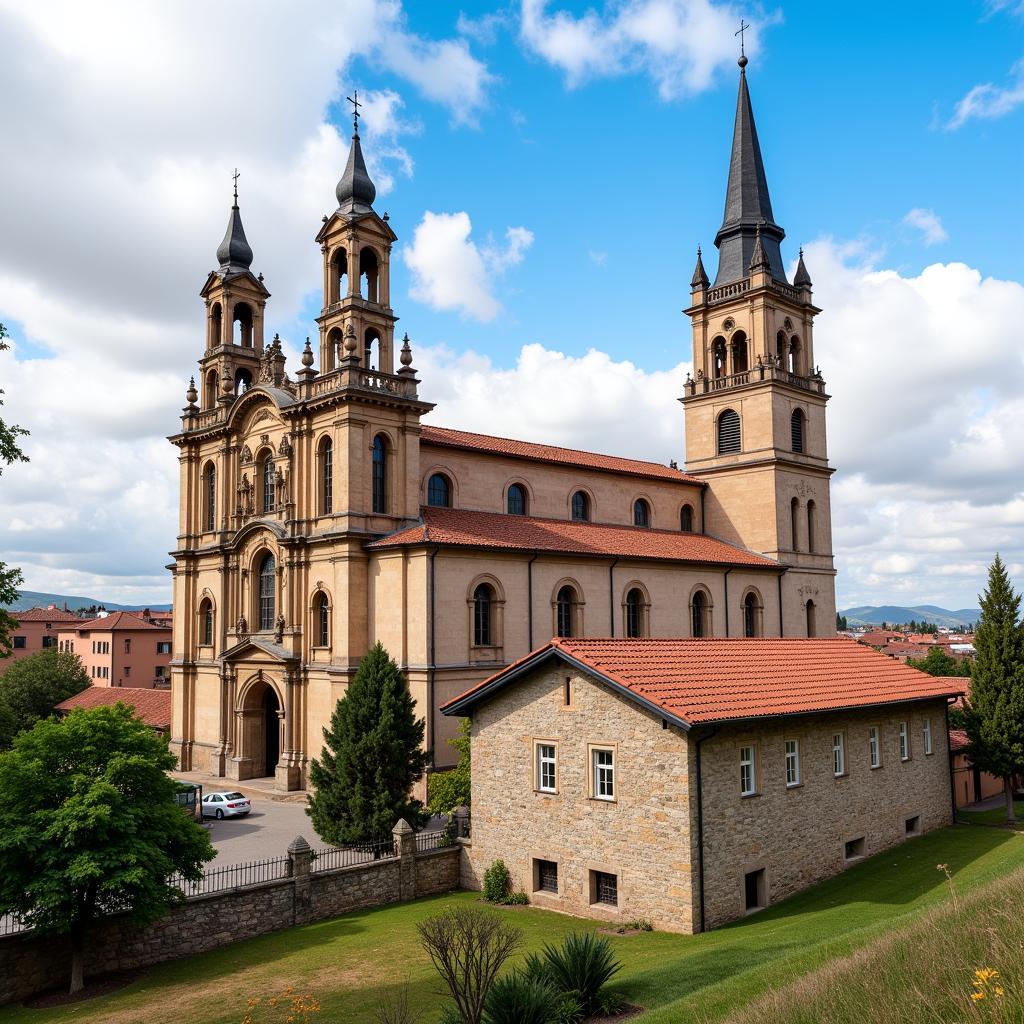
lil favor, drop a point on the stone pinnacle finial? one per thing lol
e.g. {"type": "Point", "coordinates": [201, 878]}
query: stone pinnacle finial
{"type": "Point", "coordinates": [307, 353]}
{"type": "Point", "coordinates": [700, 277]}
{"type": "Point", "coordinates": [350, 340]}
{"type": "Point", "coordinates": [406, 356]}
{"type": "Point", "coordinates": [758, 258]}
{"type": "Point", "coordinates": [191, 394]}
{"type": "Point", "coordinates": [801, 279]}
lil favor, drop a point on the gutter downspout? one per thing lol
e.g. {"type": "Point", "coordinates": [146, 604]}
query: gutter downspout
{"type": "Point", "coordinates": [700, 823]}
{"type": "Point", "coordinates": [703, 491]}
{"type": "Point", "coordinates": [782, 631]}
{"type": "Point", "coordinates": [529, 600]}
{"type": "Point", "coordinates": [725, 582]}
{"type": "Point", "coordinates": [431, 667]}
{"type": "Point", "coordinates": [611, 595]}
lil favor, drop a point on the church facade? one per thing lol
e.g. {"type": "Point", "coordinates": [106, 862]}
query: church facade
{"type": "Point", "coordinates": [319, 514]}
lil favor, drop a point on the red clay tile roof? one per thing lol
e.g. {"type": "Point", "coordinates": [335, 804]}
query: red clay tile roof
{"type": "Point", "coordinates": [46, 615]}
{"type": "Point", "coordinates": [152, 706]}
{"type": "Point", "coordinates": [958, 740]}
{"type": "Point", "coordinates": [457, 527]}
{"type": "Point", "coordinates": [698, 682]}
{"type": "Point", "coordinates": [442, 437]}
{"type": "Point", "coordinates": [116, 621]}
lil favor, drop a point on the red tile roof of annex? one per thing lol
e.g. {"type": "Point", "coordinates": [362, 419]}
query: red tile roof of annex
{"type": "Point", "coordinates": [45, 615]}
{"type": "Point", "coordinates": [958, 740]}
{"type": "Point", "coordinates": [456, 527]}
{"type": "Point", "coordinates": [444, 437]}
{"type": "Point", "coordinates": [152, 706]}
{"type": "Point", "coordinates": [117, 621]}
{"type": "Point", "coordinates": [705, 681]}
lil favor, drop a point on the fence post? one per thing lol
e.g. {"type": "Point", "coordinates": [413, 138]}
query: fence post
{"type": "Point", "coordinates": [405, 847]}
{"type": "Point", "coordinates": [300, 859]}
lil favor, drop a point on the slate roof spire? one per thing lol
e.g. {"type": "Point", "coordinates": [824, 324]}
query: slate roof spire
{"type": "Point", "coordinates": [747, 202]}
{"type": "Point", "coordinates": [355, 191]}
{"type": "Point", "coordinates": [234, 253]}
{"type": "Point", "coordinates": [700, 277]}
{"type": "Point", "coordinates": [801, 279]}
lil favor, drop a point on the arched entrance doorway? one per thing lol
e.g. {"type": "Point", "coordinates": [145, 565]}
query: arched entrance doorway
{"type": "Point", "coordinates": [261, 726]}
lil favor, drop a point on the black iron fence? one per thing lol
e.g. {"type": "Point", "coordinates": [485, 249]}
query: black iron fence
{"type": "Point", "coordinates": [432, 841]}
{"type": "Point", "coordinates": [237, 876]}
{"type": "Point", "coordinates": [329, 859]}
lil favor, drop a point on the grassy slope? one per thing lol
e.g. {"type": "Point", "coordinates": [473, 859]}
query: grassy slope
{"type": "Point", "coordinates": [351, 961]}
{"type": "Point", "coordinates": [994, 815]}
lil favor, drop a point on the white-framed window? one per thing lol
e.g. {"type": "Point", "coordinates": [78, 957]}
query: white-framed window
{"type": "Point", "coordinates": [838, 754]}
{"type": "Point", "coordinates": [748, 771]}
{"type": "Point", "coordinates": [547, 768]}
{"type": "Point", "coordinates": [792, 762]}
{"type": "Point", "coordinates": [875, 747]}
{"type": "Point", "coordinates": [926, 744]}
{"type": "Point", "coordinates": [603, 762]}
{"type": "Point", "coordinates": [904, 742]}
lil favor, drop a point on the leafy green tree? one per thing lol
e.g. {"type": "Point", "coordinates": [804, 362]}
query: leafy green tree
{"type": "Point", "coordinates": [30, 687]}
{"type": "Point", "coordinates": [994, 712]}
{"type": "Point", "coordinates": [10, 578]}
{"type": "Point", "coordinates": [373, 755]}
{"type": "Point", "coordinates": [451, 789]}
{"type": "Point", "coordinates": [89, 825]}
{"type": "Point", "coordinates": [938, 663]}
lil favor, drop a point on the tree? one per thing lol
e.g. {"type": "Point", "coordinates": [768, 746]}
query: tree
{"type": "Point", "coordinates": [372, 756]}
{"type": "Point", "coordinates": [994, 711]}
{"type": "Point", "coordinates": [32, 686]}
{"type": "Point", "coordinates": [841, 622]}
{"type": "Point", "coordinates": [938, 663]}
{"type": "Point", "coordinates": [451, 789]}
{"type": "Point", "coordinates": [10, 578]}
{"type": "Point", "coordinates": [89, 825]}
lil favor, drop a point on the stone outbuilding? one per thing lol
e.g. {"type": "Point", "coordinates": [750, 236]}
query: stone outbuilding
{"type": "Point", "coordinates": [692, 781]}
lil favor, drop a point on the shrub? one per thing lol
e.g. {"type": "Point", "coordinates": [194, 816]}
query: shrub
{"type": "Point", "coordinates": [517, 899]}
{"type": "Point", "coordinates": [395, 1009]}
{"type": "Point", "coordinates": [447, 790]}
{"type": "Point", "coordinates": [610, 1003]}
{"type": "Point", "coordinates": [582, 965]}
{"type": "Point", "coordinates": [497, 883]}
{"type": "Point", "coordinates": [641, 924]}
{"type": "Point", "coordinates": [519, 999]}
{"type": "Point", "coordinates": [569, 1009]}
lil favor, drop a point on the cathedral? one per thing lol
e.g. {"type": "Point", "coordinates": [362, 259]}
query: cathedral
{"type": "Point", "coordinates": [319, 514]}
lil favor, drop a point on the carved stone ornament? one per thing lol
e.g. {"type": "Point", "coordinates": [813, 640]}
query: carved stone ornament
{"type": "Point", "coordinates": [242, 627]}
{"type": "Point", "coordinates": [728, 324]}
{"type": "Point", "coordinates": [285, 447]}
{"type": "Point", "coordinates": [264, 438]}
{"type": "Point", "coordinates": [246, 455]}
{"type": "Point", "coordinates": [281, 486]}
{"type": "Point", "coordinates": [279, 629]}
{"type": "Point", "coordinates": [788, 324]}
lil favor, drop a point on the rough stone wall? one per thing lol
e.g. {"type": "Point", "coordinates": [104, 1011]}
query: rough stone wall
{"type": "Point", "coordinates": [798, 834]}
{"type": "Point", "coordinates": [641, 837]}
{"type": "Point", "coordinates": [30, 964]}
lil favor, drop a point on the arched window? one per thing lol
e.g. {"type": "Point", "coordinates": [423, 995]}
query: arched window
{"type": "Point", "coordinates": [641, 513]}
{"type": "Point", "coordinates": [210, 497]}
{"type": "Point", "coordinates": [700, 624]}
{"type": "Point", "coordinates": [243, 317]}
{"type": "Point", "coordinates": [728, 432]}
{"type": "Point", "coordinates": [516, 501]}
{"type": "Point", "coordinates": [794, 519]}
{"type": "Point", "coordinates": [565, 611]}
{"type": "Point", "coordinates": [339, 275]}
{"type": "Point", "coordinates": [267, 483]}
{"type": "Point", "coordinates": [267, 593]}
{"type": "Point", "coordinates": [243, 380]}
{"type": "Point", "coordinates": [810, 526]}
{"type": "Point", "coordinates": [581, 507]}
{"type": "Point", "coordinates": [635, 613]}
{"type": "Point", "coordinates": [718, 357]}
{"type": "Point", "coordinates": [322, 620]}
{"type": "Point", "coordinates": [371, 349]}
{"type": "Point", "coordinates": [738, 344]}
{"type": "Point", "coordinates": [794, 355]}
{"type": "Point", "coordinates": [206, 622]}
{"type": "Point", "coordinates": [216, 325]}
{"type": "Point", "coordinates": [751, 615]}
{"type": "Point", "coordinates": [439, 491]}
{"type": "Point", "coordinates": [210, 391]}
{"type": "Point", "coordinates": [368, 272]}
{"type": "Point", "coordinates": [686, 519]}
{"type": "Point", "coordinates": [483, 617]}
{"type": "Point", "coordinates": [380, 475]}
{"type": "Point", "coordinates": [796, 430]}
{"type": "Point", "coordinates": [334, 350]}
{"type": "Point", "coordinates": [812, 625]}
{"type": "Point", "coordinates": [325, 460]}
{"type": "Point", "coordinates": [781, 349]}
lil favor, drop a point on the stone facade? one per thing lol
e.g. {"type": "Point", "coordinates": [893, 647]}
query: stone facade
{"type": "Point", "coordinates": [647, 837]}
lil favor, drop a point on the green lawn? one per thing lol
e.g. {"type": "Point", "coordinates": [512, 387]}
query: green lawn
{"type": "Point", "coordinates": [350, 962]}
{"type": "Point", "coordinates": [994, 815]}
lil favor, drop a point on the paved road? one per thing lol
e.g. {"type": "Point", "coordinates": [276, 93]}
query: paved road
{"type": "Point", "coordinates": [265, 832]}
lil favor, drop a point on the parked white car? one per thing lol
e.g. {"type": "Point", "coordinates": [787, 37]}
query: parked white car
{"type": "Point", "coordinates": [225, 805]}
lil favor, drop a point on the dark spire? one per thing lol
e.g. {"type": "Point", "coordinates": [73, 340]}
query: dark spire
{"type": "Point", "coordinates": [801, 279]}
{"type": "Point", "coordinates": [355, 191]}
{"type": "Point", "coordinates": [234, 253]}
{"type": "Point", "coordinates": [747, 203]}
{"type": "Point", "coordinates": [700, 277]}
{"type": "Point", "coordinates": [758, 258]}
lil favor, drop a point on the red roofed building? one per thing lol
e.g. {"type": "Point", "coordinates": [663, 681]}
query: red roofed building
{"type": "Point", "coordinates": [152, 706]}
{"type": "Point", "coordinates": [320, 514]}
{"type": "Point", "coordinates": [122, 650]}
{"type": "Point", "coordinates": [689, 782]}
{"type": "Point", "coordinates": [37, 630]}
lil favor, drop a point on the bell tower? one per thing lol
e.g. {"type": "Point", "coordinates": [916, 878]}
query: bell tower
{"type": "Point", "coordinates": [755, 403]}
{"type": "Point", "coordinates": [235, 303]}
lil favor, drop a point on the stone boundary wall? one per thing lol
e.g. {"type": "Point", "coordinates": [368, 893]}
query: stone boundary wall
{"type": "Point", "coordinates": [30, 964]}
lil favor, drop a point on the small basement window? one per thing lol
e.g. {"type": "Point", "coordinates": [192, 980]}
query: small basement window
{"type": "Point", "coordinates": [604, 888]}
{"type": "Point", "coordinates": [545, 876]}
{"type": "Point", "coordinates": [913, 825]}
{"type": "Point", "coordinates": [754, 894]}
{"type": "Point", "coordinates": [854, 848]}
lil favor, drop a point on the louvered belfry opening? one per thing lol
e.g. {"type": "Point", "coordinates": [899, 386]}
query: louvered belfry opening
{"type": "Point", "coordinates": [728, 432]}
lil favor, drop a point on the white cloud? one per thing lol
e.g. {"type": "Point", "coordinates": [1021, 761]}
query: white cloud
{"type": "Point", "coordinates": [451, 272]}
{"type": "Point", "coordinates": [598, 258]}
{"type": "Point", "coordinates": [928, 223]}
{"type": "Point", "coordinates": [989, 101]}
{"type": "Point", "coordinates": [679, 44]}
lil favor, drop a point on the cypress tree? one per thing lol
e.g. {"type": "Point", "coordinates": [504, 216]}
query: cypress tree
{"type": "Point", "coordinates": [994, 713]}
{"type": "Point", "coordinates": [373, 754]}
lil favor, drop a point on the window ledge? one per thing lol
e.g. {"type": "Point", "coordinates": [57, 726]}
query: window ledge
{"type": "Point", "coordinates": [876, 767]}
{"type": "Point", "coordinates": [603, 799]}
{"type": "Point", "coordinates": [794, 785]}
{"type": "Point", "coordinates": [545, 792]}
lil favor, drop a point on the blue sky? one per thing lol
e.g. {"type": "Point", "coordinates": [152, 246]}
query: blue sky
{"type": "Point", "coordinates": [550, 168]}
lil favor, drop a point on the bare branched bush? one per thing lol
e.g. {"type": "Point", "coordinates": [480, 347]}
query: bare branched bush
{"type": "Point", "coordinates": [395, 1008]}
{"type": "Point", "coordinates": [468, 946]}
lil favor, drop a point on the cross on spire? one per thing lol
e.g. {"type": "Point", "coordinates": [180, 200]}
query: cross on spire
{"type": "Point", "coordinates": [235, 176]}
{"type": "Point", "coordinates": [354, 100]}
{"type": "Point", "coordinates": [743, 28]}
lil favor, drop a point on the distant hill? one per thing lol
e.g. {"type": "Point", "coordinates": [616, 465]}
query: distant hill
{"type": "Point", "coordinates": [34, 599]}
{"type": "Point", "coordinates": [875, 615]}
